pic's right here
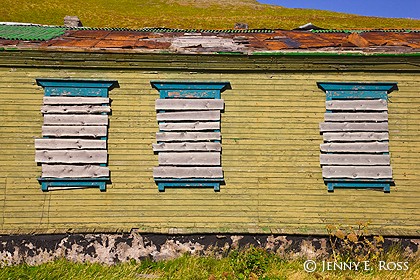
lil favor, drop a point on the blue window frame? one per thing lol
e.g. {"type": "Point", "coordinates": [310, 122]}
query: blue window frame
{"type": "Point", "coordinates": [73, 149]}
{"type": "Point", "coordinates": [189, 137]}
{"type": "Point", "coordinates": [355, 152]}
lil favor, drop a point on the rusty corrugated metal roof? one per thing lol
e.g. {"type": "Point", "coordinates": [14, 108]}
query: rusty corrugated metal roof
{"type": "Point", "coordinates": [210, 41]}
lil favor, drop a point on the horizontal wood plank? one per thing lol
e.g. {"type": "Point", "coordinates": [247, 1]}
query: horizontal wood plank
{"type": "Point", "coordinates": [71, 156]}
{"type": "Point", "coordinates": [187, 172]}
{"type": "Point", "coordinates": [189, 104]}
{"type": "Point", "coordinates": [349, 126]}
{"type": "Point", "coordinates": [55, 144]}
{"type": "Point", "coordinates": [357, 172]}
{"type": "Point", "coordinates": [364, 147]}
{"type": "Point", "coordinates": [75, 119]}
{"type": "Point", "coordinates": [48, 100]}
{"type": "Point", "coordinates": [357, 105]}
{"type": "Point", "coordinates": [82, 109]}
{"type": "Point", "coordinates": [352, 159]}
{"type": "Point", "coordinates": [213, 115]}
{"type": "Point", "coordinates": [187, 136]}
{"type": "Point", "coordinates": [189, 158]}
{"type": "Point", "coordinates": [338, 117]}
{"type": "Point", "coordinates": [86, 131]}
{"type": "Point", "coordinates": [189, 126]}
{"type": "Point", "coordinates": [355, 136]}
{"type": "Point", "coordinates": [187, 146]}
{"type": "Point", "coordinates": [74, 171]}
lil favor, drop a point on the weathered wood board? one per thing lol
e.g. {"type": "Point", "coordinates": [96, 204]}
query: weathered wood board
{"type": "Point", "coordinates": [74, 100]}
{"type": "Point", "coordinates": [74, 171]}
{"type": "Point", "coordinates": [356, 172]}
{"type": "Point", "coordinates": [76, 109]}
{"type": "Point", "coordinates": [190, 126]}
{"type": "Point", "coordinates": [358, 147]}
{"type": "Point", "coordinates": [354, 159]}
{"type": "Point", "coordinates": [357, 105]}
{"type": "Point", "coordinates": [51, 119]}
{"type": "Point", "coordinates": [197, 158]}
{"type": "Point", "coordinates": [60, 131]}
{"type": "Point", "coordinates": [355, 136]}
{"type": "Point", "coordinates": [71, 156]}
{"type": "Point", "coordinates": [189, 104]}
{"type": "Point", "coordinates": [57, 144]}
{"type": "Point", "coordinates": [369, 117]}
{"type": "Point", "coordinates": [187, 146]}
{"type": "Point", "coordinates": [187, 172]}
{"type": "Point", "coordinates": [213, 115]}
{"type": "Point", "coordinates": [350, 126]}
{"type": "Point", "coordinates": [187, 136]}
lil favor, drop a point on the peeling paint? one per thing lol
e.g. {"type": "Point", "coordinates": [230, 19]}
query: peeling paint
{"type": "Point", "coordinates": [116, 248]}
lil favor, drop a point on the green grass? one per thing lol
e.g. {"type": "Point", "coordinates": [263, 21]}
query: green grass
{"type": "Point", "coordinates": [253, 263]}
{"type": "Point", "coordinates": [214, 14]}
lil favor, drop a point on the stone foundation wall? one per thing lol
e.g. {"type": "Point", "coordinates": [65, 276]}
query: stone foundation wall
{"type": "Point", "coordinates": [115, 248]}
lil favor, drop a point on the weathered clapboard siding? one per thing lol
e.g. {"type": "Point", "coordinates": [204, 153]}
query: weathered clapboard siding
{"type": "Point", "coordinates": [75, 109]}
{"type": "Point", "coordinates": [56, 143]}
{"type": "Point", "coordinates": [273, 176]}
{"type": "Point", "coordinates": [189, 104]}
{"type": "Point", "coordinates": [189, 158]}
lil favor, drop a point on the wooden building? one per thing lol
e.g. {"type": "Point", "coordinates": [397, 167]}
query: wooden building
{"type": "Point", "coordinates": [208, 131]}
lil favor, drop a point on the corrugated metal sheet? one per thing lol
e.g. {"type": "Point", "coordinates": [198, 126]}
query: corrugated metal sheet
{"type": "Point", "coordinates": [30, 32]}
{"type": "Point", "coordinates": [209, 41]}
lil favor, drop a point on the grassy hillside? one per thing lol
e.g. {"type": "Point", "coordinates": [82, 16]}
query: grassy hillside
{"type": "Point", "coordinates": [185, 14]}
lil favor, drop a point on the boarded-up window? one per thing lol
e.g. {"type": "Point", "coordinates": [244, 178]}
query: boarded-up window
{"type": "Point", "coordinates": [355, 152]}
{"type": "Point", "coordinates": [189, 139]}
{"type": "Point", "coordinates": [73, 149]}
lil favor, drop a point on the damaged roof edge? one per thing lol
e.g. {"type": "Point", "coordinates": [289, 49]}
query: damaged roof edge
{"type": "Point", "coordinates": [223, 42]}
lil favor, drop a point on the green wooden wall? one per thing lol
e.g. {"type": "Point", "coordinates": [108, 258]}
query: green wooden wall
{"type": "Point", "coordinates": [270, 156]}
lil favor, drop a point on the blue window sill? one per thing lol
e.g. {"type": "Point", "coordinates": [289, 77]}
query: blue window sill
{"type": "Point", "coordinates": [100, 183]}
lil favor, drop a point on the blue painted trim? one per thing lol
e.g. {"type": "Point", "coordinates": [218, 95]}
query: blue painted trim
{"type": "Point", "coordinates": [77, 83]}
{"type": "Point", "coordinates": [357, 90]}
{"type": "Point", "coordinates": [358, 86]}
{"type": "Point", "coordinates": [46, 183]}
{"type": "Point", "coordinates": [73, 88]}
{"type": "Point", "coordinates": [76, 91]}
{"type": "Point", "coordinates": [197, 93]}
{"type": "Point", "coordinates": [385, 186]}
{"type": "Point", "coordinates": [190, 85]}
{"type": "Point", "coordinates": [331, 95]}
{"type": "Point", "coordinates": [190, 179]}
{"type": "Point", "coordinates": [162, 185]}
{"type": "Point", "coordinates": [358, 180]}
{"type": "Point", "coordinates": [189, 89]}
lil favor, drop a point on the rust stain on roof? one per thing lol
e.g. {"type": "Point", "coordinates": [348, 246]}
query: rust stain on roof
{"type": "Point", "coordinates": [357, 40]}
{"type": "Point", "coordinates": [221, 42]}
